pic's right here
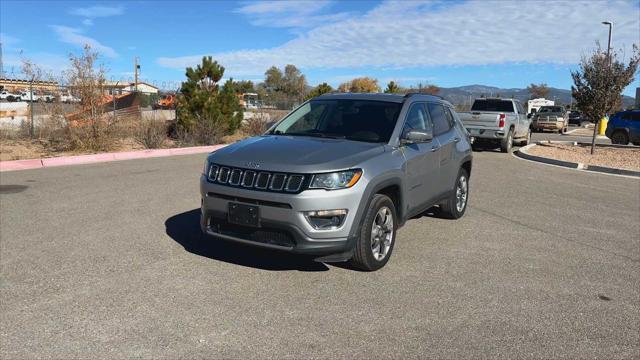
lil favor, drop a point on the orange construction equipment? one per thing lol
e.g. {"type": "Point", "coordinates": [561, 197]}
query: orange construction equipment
{"type": "Point", "coordinates": [166, 102]}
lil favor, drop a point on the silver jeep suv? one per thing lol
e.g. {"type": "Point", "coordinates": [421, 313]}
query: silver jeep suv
{"type": "Point", "coordinates": [338, 176]}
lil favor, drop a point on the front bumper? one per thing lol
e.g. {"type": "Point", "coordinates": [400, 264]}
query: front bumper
{"type": "Point", "coordinates": [282, 222]}
{"type": "Point", "coordinates": [552, 125]}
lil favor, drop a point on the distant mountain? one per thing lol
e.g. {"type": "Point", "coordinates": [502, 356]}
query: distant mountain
{"type": "Point", "coordinates": [464, 95]}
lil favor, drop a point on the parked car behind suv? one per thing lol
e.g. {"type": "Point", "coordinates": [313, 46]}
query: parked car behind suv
{"type": "Point", "coordinates": [554, 118]}
{"type": "Point", "coordinates": [338, 176]}
{"type": "Point", "coordinates": [498, 121]}
{"type": "Point", "coordinates": [624, 127]}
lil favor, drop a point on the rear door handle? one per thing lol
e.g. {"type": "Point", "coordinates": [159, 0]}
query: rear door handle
{"type": "Point", "coordinates": [456, 140]}
{"type": "Point", "coordinates": [435, 148]}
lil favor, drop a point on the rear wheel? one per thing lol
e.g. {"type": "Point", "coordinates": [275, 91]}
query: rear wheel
{"type": "Point", "coordinates": [507, 143]}
{"type": "Point", "coordinates": [377, 235]}
{"type": "Point", "coordinates": [619, 138]}
{"type": "Point", "coordinates": [455, 206]}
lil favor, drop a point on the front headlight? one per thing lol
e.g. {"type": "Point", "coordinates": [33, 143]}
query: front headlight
{"type": "Point", "coordinates": [336, 180]}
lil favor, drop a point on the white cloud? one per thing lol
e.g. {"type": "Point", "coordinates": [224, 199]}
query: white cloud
{"type": "Point", "coordinates": [74, 36]}
{"type": "Point", "coordinates": [87, 22]}
{"type": "Point", "coordinates": [293, 13]}
{"type": "Point", "coordinates": [8, 40]}
{"type": "Point", "coordinates": [417, 34]}
{"type": "Point", "coordinates": [98, 11]}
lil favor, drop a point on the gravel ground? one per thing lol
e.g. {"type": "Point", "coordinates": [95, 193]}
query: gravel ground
{"type": "Point", "coordinates": [604, 156]}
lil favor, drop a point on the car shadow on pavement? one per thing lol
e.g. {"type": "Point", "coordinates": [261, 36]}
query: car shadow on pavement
{"type": "Point", "coordinates": [184, 229]}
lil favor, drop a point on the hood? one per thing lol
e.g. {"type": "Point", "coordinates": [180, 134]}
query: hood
{"type": "Point", "coordinates": [297, 154]}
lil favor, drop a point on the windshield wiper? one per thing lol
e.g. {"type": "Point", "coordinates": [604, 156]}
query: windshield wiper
{"type": "Point", "coordinates": [312, 134]}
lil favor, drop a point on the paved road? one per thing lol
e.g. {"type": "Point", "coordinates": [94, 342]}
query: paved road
{"type": "Point", "coordinates": [105, 261]}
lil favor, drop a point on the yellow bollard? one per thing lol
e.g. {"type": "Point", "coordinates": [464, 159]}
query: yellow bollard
{"type": "Point", "coordinates": [602, 125]}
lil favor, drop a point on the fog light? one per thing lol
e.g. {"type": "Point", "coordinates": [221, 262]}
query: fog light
{"type": "Point", "coordinates": [326, 219]}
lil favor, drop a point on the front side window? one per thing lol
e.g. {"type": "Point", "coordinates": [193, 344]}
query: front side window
{"type": "Point", "coordinates": [440, 123]}
{"type": "Point", "coordinates": [417, 119]}
{"type": "Point", "coordinates": [359, 120]}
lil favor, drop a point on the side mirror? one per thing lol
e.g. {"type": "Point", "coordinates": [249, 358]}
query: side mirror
{"type": "Point", "coordinates": [529, 115]}
{"type": "Point", "coordinates": [417, 136]}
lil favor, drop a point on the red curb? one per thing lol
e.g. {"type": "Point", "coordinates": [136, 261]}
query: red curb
{"type": "Point", "coordinates": [20, 164]}
{"type": "Point", "coordinates": [103, 157]}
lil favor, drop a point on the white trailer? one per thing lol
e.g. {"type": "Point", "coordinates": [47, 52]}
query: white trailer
{"type": "Point", "coordinates": [534, 105]}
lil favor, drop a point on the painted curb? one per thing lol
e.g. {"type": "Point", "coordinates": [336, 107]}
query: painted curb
{"type": "Point", "coordinates": [522, 153]}
{"type": "Point", "coordinates": [103, 157]}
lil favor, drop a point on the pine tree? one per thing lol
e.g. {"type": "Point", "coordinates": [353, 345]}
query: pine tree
{"type": "Point", "coordinates": [392, 88]}
{"type": "Point", "coordinates": [205, 112]}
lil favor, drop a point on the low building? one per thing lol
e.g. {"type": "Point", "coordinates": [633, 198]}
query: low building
{"type": "Point", "coordinates": [18, 85]}
{"type": "Point", "coordinates": [117, 88]}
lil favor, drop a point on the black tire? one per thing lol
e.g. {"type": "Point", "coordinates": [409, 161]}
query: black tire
{"type": "Point", "coordinates": [363, 257]}
{"type": "Point", "coordinates": [449, 208]}
{"type": "Point", "coordinates": [506, 145]}
{"type": "Point", "coordinates": [619, 137]}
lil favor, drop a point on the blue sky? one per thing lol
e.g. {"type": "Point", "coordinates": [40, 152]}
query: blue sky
{"type": "Point", "coordinates": [447, 43]}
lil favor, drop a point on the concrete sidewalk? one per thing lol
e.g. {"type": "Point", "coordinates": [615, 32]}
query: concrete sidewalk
{"type": "Point", "coordinates": [102, 157]}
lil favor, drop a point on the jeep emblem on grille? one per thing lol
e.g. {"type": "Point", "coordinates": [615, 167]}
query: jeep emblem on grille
{"type": "Point", "coordinates": [252, 165]}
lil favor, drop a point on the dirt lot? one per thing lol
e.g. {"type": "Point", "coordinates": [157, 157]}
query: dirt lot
{"type": "Point", "coordinates": [604, 156]}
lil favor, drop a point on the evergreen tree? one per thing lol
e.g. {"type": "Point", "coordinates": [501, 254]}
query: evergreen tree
{"type": "Point", "coordinates": [205, 112]}
{"type": "Point", "coordinates": [392, 88]}
{"type": "Point", "coordinates": [319, 90]}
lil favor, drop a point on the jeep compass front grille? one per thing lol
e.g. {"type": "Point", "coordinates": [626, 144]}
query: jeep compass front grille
{"type": "Point", "coordinates": [256, 180]}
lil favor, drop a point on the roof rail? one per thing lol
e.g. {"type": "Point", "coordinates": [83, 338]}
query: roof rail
{"type": "Point", "coordinates": [409, 94]}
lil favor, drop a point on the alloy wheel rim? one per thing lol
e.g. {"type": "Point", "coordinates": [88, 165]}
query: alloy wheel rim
{"type": "Point", "coordinates": [382, 233]}
{"type": "Point", "coordinates": [462, 191]}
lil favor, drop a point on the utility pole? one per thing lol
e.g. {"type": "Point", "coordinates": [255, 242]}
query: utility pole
{"type": "Point", "coordinates": [595, 128]}
{"type": "Point", "coordinates": [137, 67]}
{"type": "Point", "coordinates": [1, 65]}
{"type": "Point", "coordinates": [31, 128]}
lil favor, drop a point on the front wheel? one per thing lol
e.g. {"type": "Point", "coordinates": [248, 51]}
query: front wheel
{"type": "Point", "coordinates": [377, 235]}
{"type": "Point", "coordinates": [456, 205]}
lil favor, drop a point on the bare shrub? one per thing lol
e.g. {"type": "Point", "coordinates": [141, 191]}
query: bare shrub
{"type": "Point", "coordinates": [256, 124]}
{"type": "Point", "coordinates": [151, 134]}
{"type": "Point", "coordinates": [201, 133]}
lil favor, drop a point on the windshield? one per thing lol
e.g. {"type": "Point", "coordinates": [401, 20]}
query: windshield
{"type": "Point", "coordinates": [492, 105]}
{"type": "Point", "coordinates": [359, 120]}
{"type": "Point", "coordinates": [546, 109]}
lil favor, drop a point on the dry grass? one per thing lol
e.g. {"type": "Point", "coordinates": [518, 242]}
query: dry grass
{"type": "Point", "coordinates": [621, 158]}
{"type": "Point", "coordinates": [36, 149]}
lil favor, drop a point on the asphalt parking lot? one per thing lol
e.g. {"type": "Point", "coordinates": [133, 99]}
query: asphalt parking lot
{"type": "Point", "coordinates": [106, 261]}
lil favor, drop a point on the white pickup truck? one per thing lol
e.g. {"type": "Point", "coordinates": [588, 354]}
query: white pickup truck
{"type": "Point", "coordinates": [497, 121]}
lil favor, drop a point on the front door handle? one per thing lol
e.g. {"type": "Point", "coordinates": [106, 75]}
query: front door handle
{"type": "Point", "coordinates": [435, 148]}
{"type": "Point", "coordinates": [457, 140]}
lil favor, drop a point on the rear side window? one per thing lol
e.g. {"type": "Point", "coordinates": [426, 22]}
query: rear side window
{"type": "Point", "coordinates": [439, 118]}
{"type": "Point", "coordinates": [493, 105]}
{"type": "Point", "coordinates": [631, 116]}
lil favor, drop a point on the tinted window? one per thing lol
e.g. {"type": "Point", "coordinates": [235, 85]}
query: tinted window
{"type": "Point", "coordinates": [439, 119]}
{"type": "Point", "coordinates": [360, 120]}
{"type": "Point", "coordinates": [635, 116]}
{"type": "Point", "coordinates": [492, 105]}
{"type": "Point", "coordinates": [546, 109]}
{"type": "Point", "coordinates": [450, 117]}
{"type": "Point", "coordinates": [417, 118]}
